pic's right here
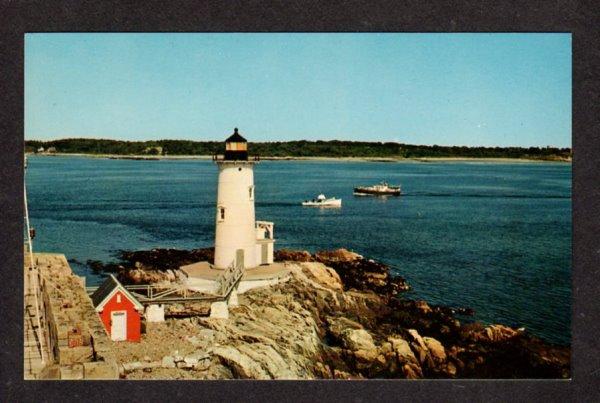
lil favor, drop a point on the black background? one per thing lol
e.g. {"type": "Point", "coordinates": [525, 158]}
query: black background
{"type": "Point", "coordinates": [578, 17]}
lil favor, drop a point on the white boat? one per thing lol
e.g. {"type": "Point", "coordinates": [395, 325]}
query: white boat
{"type": "Point", "coordinates": [322, 201]}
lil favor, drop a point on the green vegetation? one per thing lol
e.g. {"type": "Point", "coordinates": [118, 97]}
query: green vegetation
{"type": "Point", "coordinates": [301, 148]}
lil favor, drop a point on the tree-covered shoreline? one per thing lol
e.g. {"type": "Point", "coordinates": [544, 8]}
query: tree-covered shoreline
{"type": "Point", "coordinates": [301, 148]}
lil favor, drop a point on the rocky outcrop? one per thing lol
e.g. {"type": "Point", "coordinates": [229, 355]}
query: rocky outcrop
{"type": "Point", "coordinates": [159, 265]}
{"type": "Point", "coordinates": [164, 259]}
{"type": "Point", "coordinates": [141, 276]}
{"type": "Point", "coordinates": [242, 365]}
{"type": "Point", "coordinates": [339, 316]}
{"type": "Point", "coordinates": [414, 339]}
{"type": "Point", "coordinates": [323, 275]}
{"type": "Point", "coordinates": [368, 275]}
{"type": "Point", "coordinates": [402, 353]}
{"type": "Point", "coordinates": [338, 255]}
{"type": "Point", "coordinates": [494, 333]}
{"type": "Point", "coordinates": [153, 266]}
{"type": "Point", "coordinates": [292, 255]}
{"type": "Point", "coordinates": [354, 270]}
{"type": "Point", "coordinates": [270, 335]}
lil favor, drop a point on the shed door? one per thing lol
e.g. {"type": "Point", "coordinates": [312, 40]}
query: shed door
{"type": "Point", "coordinates": [118, 328]}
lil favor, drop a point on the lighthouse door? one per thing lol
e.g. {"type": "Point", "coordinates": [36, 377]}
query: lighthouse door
{"type": "Point", "coordinates": [264, 254]}
{"type": "Point", "coordinates": [239, 257]}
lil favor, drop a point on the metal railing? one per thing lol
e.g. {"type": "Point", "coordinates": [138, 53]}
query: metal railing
{"type": "Point", "coordinates": [155, 294]}
{"type": "Point", "coordinates": [34, 272]}
{"type": "Point", "coordinates": [229, 279]}
{"type": "Point", "coordinates": [152, 294]}
{"type": "Point", "coordinates": [221, 157]}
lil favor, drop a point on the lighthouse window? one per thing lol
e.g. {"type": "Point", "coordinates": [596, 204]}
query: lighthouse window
{"type": "Point", "coordinates": [251, 192]}
{"type": "Point", "coordinates": [222, 213]}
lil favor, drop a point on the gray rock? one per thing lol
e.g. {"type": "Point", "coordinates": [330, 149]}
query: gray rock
{"type": "Point", "coordinates": [268, 358]}
{"type": "Point", "coordinates": [241, 365]}
{"type": "Point", "coordinates": [219, 310]}
{"type": "Point", "coordinates": [436, 349]}
{"type": "Point", "coordinates": [168, 362]}
{"type": "Point", "coordinates": [71, 372]}
{"type": "Point", "coordinates": [417, 338]}
{"type": "Point", "coordinates": [203, 365]}
{"type": "Point", "coordinates": [207, 334]}
{"type": "Point", "coordinates": [402, 349]}
{"type": "Point", "coordinates": [338, 325]}
{"type": "Point", "coordinates": [358, 339]}
{"type": "Point", "coordinates": [195, 340]}
{"type": "Point", "coordinates": [193, 359]}
{"type": "Point", "coordinates": [132, 366]}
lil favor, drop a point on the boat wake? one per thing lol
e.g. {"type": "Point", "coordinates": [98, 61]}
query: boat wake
{"type": "Point", "coordinates": [485, 195]}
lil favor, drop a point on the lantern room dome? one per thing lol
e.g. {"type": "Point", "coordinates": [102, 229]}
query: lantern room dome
{"type": "Point", "coordinates": [235, 137]}
{"type": "Point", "coordinates": [236, 147]}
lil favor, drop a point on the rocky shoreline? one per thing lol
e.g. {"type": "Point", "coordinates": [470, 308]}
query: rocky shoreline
{"type": "Point", "coordinates": [340, 316]}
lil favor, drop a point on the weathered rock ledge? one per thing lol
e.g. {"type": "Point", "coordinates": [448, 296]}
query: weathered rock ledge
{"type": "Point", "coordinates": [340, 316]}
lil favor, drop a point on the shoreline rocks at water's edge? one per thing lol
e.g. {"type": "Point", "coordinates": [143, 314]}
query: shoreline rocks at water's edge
{"type": "Point", "coordinates": [359, 326]}
{"type": "Point", "coordinates": [443, 347]}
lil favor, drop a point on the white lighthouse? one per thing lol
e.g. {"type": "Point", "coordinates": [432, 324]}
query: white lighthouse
{"type": "Point", "coordinates": [239, 239]}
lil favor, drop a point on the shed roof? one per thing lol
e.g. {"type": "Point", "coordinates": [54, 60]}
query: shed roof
{"type": "Point", "coordinates": [235, 137]}
{"type": "Point", "coordinates": [108, 288]}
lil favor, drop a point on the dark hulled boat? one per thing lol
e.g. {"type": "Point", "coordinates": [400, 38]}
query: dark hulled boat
{"type": "Point", "coordinates": [381, 189]}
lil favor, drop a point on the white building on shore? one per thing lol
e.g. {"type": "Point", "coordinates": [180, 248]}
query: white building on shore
{"type": "Point", "coordinates": [239, 238]}
{"type": "Point", "coordinates": [243, 246]}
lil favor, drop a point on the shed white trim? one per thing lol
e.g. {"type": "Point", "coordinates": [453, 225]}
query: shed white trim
{"type": "Point", "coordinates": [119, 287]}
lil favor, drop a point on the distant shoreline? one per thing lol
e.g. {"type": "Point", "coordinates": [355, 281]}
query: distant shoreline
{"type": "Point", "coordinates": [290, 158]}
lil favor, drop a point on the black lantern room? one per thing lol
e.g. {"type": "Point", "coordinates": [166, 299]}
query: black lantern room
{"type": "Point", "coordinates": [236, 147]}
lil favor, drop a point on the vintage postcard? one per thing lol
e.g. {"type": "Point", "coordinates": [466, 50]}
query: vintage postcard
{"type": "Point", "coordinates": [297, 206]}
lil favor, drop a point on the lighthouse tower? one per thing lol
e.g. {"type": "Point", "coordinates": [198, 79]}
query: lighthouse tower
{"type": "Point", "coordinates": [239, 239]}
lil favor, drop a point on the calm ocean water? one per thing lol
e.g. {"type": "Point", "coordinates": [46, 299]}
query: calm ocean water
{"type": "Point", "coordinates": [493, 237]}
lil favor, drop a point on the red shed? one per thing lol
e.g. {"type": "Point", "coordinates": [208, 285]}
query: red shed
{"type": "Point", "coordinates": [119, 311]}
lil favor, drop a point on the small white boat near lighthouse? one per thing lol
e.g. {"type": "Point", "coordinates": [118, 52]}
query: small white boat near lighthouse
{"type": "Point", "coordinates": [322, 201]}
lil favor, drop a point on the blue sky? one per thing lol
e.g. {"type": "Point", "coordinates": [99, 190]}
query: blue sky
{"type": "Point", "coordinates": [445, 89]}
